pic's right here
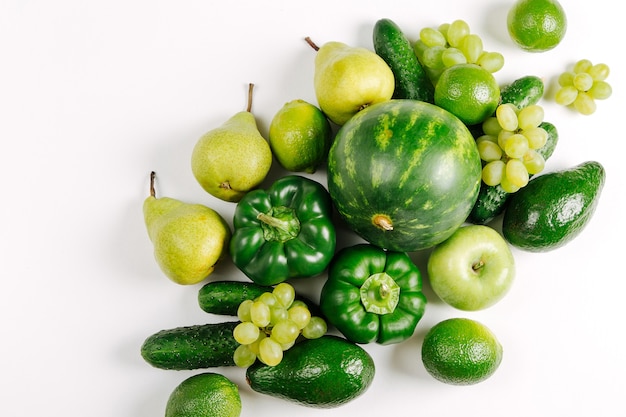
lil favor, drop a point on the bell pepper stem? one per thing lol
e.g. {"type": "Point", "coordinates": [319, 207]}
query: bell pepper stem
{"type": "Point", "coordinates": [380, 294]}
{"type": "Point", "coordinates": [280, 224]}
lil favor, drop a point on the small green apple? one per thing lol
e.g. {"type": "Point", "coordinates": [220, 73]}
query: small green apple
{"type": "Point", "coordinates": [472, 269]}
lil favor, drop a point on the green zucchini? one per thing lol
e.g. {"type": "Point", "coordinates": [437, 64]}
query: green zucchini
{"type": "Point", "coordinates": [224, 297]}
{"type": "Point", "coordinates": [492, 200]}
{"type": "Point", "coordinates": [412, 81]}
{"type": "Point", "coordinates": [523, 92]}
{"type": "Point", "coordinates": [191, 347]}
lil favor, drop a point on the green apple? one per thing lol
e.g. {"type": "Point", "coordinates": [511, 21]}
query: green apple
{"type": "Point", "coordinates": [472, 269]}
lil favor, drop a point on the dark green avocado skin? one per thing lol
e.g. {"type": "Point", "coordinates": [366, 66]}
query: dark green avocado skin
{"type": "Point", "coordinates": [553, 208]}
{"type": "Point", "coordinates": [321, 373]}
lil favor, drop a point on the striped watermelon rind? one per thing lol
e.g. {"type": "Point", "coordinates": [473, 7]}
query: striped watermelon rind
{"type": "Point", "coordinates": [408, 163]}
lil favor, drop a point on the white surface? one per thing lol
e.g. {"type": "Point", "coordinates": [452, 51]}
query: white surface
{"type": "Point", "coordinates": [95, 95]}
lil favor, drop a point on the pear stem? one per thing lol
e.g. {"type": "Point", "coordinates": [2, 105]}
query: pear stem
{"type": "Point", "coordinates": [152, 192]}
{"type": "Point", "coordinates": [313, 44]}
{"type": "Point", "coordinates": [250, 88]}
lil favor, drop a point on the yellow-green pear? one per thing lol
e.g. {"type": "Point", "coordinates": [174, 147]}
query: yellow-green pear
{"type": "Point", "coordinates": [232, 159]}
{"type": "Point", "coordinates": [189, 239]}
{"type": "Point", "coordinates": [347, 79]}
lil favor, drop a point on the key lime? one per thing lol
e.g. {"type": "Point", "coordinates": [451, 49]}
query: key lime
{"type": "Point", "coordinates": [468, 91]}
{"type": "Point", "coordinates": [537, 25]}
{"type": "Point", "coordinates": [461, 351]}
{"type": "Point", "coordinates": [204, 395]}
{"type": "Point", "coordinates": [300, 136]}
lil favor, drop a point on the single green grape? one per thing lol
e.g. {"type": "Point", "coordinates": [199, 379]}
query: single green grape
{"type": "Point", "coordinates": [315, 329]}
{"type": "Point", "coordinates": [599, 72]}
{"type": "Point", "coordinates": [584, 103]}
{"type": "Point", "coordinates": [243, 311]}
{"type": "Point", "coordinates": [472, 47]}
{"type": "Point", "coordinates": [456, 32]}
{"type": "Point", "coordinates": [601, 90]}
{"type": "Point", "coordinates": [507, 116]}
{"type": "Point", "coordinates": [432, 37]}
{"type": "Point", "coordinates": [243, 356]}
{"type": "Point", "coordinates": [537, 137]}
{"type": "Point", "coordinates": [452, 56]}
{"type": "Point", "coordinates": [246, 332]}
{"type": "Point", "coordinates": [583, 81]}
{"type": "Point", "coordinates": [530, 116]}
{"type": "Point", "coordinates": [491, 126]}
{"type": "Point", "coordinates": [270, 352]}
{"type": "Point", "coordinates": [507, 186]}
{"type": "Point", "coordinates": [534, 162]}
{"type": "Point", "coordinates": [582, 65]}
{"type": "Point", "coordinates": [516, 146]}
{"type": "Point", "coordinates": [300, 315]}
{"type": "Point", "coordinates": [260, 314]}
{"type": "Point", "coordinates": [284, 293]}
{"type": "Point", "coordinates": [489, 151]}
{"type": "Point", "coordinates": [566, 95]}
{"type": "Point", "coordinates": [516, 173]}
{"type": "Point", "coordinates": [493, 172]}
{"type": "Point", "coordinates": [491, 61]}
{"type": "Point", "coordinates": [285, 331]}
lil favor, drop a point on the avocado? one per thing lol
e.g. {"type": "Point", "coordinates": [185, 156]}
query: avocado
{"type": "Point", "coordinates": [321, 373]}
{"type": "Point", "coordinates": [553, 208]}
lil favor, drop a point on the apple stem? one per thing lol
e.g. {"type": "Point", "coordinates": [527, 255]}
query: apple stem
{"type": "Point", "coordinates": [250, 88]}
{"type": "Point", "coordinates": [152, 192]}
{"type": "Point", "coordinates": [478, 265]}
{"type": "Point", "coordinates": [310, 42]}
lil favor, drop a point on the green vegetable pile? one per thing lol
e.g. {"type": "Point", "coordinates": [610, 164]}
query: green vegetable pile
{"type": "Point", "coordinates": [404, 175]}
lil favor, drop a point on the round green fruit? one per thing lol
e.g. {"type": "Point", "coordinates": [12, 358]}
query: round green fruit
{"type": "Point", "coordinates": [404, 174]}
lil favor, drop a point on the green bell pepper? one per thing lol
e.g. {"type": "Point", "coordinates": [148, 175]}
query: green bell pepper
{"type": "Point", "coordinates": [283, 232]}
{"type": "Point", "coordinates": [373, 295]}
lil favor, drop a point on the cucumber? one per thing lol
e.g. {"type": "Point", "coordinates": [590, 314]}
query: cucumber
{"type": "Point", "coordinates": [412, 81]}
{"type": "Point", "coordinates": [224, 297]}
{"type": "Point", "coordinates": [191, 347]}
{"type": "Point", "coordinates": [523, 92]}
{"type": "Point", "coordinates": [492, 200]}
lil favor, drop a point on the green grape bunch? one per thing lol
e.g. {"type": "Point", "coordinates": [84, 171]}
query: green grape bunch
{"type": "Point", "coordinates": [271, 324]}
{"type": "Point", "coordinates": [451, 44]}
{"type": "Point", "coordinates": [581, 86]}
{"type": "Point", "coordinates": [508, 147]}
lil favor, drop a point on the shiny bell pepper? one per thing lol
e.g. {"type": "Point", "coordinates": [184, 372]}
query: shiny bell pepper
{"type": "Point", "coordinates": [373, 295]}
{"type": "Point", "coordinates": [283, 232]}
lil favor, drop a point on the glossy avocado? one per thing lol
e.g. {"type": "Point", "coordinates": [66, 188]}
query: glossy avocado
{"type": "Point", "coordinates": [322, 373]}
{"type": "Point", "coordinates": [553, 208]}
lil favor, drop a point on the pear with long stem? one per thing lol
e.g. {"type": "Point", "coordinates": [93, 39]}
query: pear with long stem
{"type": "Point", "coordinates": [189, 239]}
{"type": "Point", "coordinates": [234, 158]}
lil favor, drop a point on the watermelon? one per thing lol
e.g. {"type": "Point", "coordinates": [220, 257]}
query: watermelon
{"type": "Point", "coordinates": [404, 174]}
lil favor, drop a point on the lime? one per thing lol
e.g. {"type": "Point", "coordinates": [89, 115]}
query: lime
{"type": "Point", "coordinates": [468, 91]}
{"type": "Point", "coordinates": [537, 25]}
{"type": "Point", "coordinates": [300, 136]}
{"type": "Point", "coordinates": [461, 351]}
{"type": "Point", "coordinates": [204, 395]}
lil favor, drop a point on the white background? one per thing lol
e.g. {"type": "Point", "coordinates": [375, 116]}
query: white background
{"type": "Point", "coordinates": [96, 94]}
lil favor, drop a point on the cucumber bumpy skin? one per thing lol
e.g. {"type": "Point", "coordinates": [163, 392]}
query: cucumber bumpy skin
{"type": "Point", "coordinates": [394, 48]}
{"type": "Point", "coordinates": [492, 199]}
{"type": "Point", "coordinates": [224, 297]}
{"type": "Point", "coordinates": [192, 347]}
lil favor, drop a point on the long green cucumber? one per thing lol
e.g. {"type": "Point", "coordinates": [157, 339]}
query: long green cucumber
{"type": "Point", "coordinates": [191, 347]}
{"type": "Point", "coordinates": [492, 200]}
{"type": "Point", "coordinates": [224, 297]}
{"type": "Point", "coordinates": [391, 44]}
